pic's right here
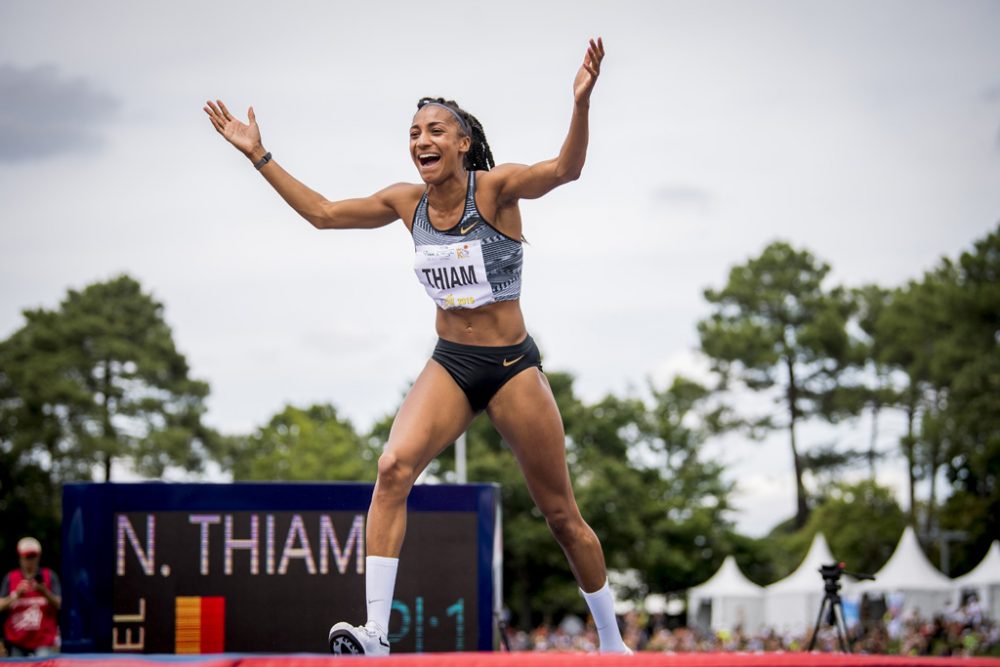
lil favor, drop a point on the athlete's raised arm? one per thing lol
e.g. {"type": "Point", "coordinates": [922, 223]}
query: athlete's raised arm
{"type": "Point", "coordinates": [518, 181]}
{"type": "Point", "coordinates": [377, 210]}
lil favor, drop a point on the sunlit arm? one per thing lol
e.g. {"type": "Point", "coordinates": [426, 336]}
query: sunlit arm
{"type": "Point", "coordinates": [530, 182]}
{"type": "Point", "coordinates": [361, 213]}
{"type": "Point", "coordinates": [517, 181]}
{"type": "Point", "coordinates": [569, 165]}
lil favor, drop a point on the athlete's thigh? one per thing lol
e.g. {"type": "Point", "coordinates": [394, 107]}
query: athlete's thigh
{"type": "Point", "coordinates": [525, 413]}
{"type": "Point", "coordinates": [434, 413]}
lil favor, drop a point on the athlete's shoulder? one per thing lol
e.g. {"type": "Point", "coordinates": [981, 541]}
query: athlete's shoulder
{"type": "Point", "coordinates": [403, 190]}
{"type": "Point", "coordinates": [495, 182]}
{"type": "Point", "coordinates": [495, 178]}
{"type": "Point", "coordinates": [402, 197]}
{"type": "Point", "coordinates": [501, 171]}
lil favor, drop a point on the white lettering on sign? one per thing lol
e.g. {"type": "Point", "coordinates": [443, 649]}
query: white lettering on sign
{"type": "Point", "coordinates": [146, 556]}
{"type": "Point", "coordinates": [252, 543]}
{"type": "Point", "coordinates": [297, 531]}
{"type": "Point", "coordinates": [328, 540]}
{"type": "Point", "coordinates": [204, 520]}
{"type": "Point", "coordinates": [126, 638]}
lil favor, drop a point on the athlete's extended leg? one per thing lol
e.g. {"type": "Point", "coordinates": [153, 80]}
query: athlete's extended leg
{"type": "Point", "coordinates": [524, 411]}
{"type": "Point", "coordinates": [434, 413]}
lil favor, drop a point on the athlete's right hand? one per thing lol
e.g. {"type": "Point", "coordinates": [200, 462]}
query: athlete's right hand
{"type": "Point", "coordinates": [244, 137]}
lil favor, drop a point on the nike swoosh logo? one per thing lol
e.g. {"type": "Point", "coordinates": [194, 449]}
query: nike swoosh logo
{"type": "Point", "coordinates": [466, 230]}
{"type": "Point", "coordinates": [385, 644]}
{"type": "Point", "coordinates": [512, 361]}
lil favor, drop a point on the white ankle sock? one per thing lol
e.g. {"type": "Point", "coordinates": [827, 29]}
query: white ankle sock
{"type": "Point", "coordinates": [380, 580]}
{"type": "Point", "coordinates": [602, 608]}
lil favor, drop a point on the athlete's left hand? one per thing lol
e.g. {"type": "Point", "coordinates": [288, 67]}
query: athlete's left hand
{"type": "Point", "coordinates": [589, 70]}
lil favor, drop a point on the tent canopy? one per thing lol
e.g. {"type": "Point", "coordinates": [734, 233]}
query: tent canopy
{"type": "Point", "coordinates": [806, 578]}
{"type": "Point", "coordinates": [987, 573]}
{"type": "Point", "coordinates": [907, 570]}
{"type": "Point", "coordinates": [728, 581]}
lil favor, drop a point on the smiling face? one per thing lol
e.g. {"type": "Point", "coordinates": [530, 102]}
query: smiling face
{"type": "Point", "coordinates": [437, 144]}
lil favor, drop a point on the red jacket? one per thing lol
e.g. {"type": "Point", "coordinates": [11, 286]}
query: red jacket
{"type": "Point", "coordinates": [31, 622]}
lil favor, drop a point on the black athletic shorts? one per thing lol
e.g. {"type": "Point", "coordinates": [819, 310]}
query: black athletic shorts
{"type": "Point", "coordinates": [481, 370]}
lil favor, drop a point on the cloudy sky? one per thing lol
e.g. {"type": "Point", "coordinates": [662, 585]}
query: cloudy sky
{"type": "Point", "coordinates": [868, 133]}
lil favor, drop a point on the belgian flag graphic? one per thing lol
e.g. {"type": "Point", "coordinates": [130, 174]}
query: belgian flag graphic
{"type": "Point", "coordinates": [200, 625]}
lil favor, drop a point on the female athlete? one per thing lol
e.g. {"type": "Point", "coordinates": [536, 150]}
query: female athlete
{"type": "Point", "coordinates": [466, 229]}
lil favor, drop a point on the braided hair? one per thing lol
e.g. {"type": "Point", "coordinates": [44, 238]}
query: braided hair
{"type": "Point", "coordinates": [479, 157]}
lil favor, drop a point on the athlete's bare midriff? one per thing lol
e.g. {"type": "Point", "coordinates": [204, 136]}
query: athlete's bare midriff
{"type": "Point", "coordinates": [499, 323]}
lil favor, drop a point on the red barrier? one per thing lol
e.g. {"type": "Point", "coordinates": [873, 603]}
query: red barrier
{"type": "Point", "coordinates": [532, 660]}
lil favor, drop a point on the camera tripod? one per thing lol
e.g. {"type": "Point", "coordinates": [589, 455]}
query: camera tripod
{"type": "Point", "coordinates": [832, 604]}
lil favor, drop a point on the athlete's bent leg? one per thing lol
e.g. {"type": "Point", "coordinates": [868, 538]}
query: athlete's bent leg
{"type": "Point", "coordinates": [434, 413]}
{"type": "Point", "coordinates": [524, 411]}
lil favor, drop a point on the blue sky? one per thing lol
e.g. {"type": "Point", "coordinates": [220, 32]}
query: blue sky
{"type": "Point", "coordinates": [868, 133]}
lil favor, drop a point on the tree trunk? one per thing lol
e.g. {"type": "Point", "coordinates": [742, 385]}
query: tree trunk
{"type": "Point", "coordinates": [934, 450]}
{"type": "Point", "coordinates": [876, 407]}
{"type": "Point", "coordinates": [932, 498]}
{"type": "Point", "coordinates": [801, 506]}
{"type": "Point", "coordinates": [108, 428]}
{"type": "Point", "coordinates": [909, 446]}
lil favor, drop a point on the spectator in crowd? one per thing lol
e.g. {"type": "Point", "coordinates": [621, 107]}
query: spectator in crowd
{"type": "Point", "coordinates": [964, 631]}
{"type": "Point", "coordinates": [31, 596]}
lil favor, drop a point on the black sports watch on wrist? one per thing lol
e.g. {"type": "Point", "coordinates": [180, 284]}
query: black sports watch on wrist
{"type": "Point", "coordinates": [264, 160]}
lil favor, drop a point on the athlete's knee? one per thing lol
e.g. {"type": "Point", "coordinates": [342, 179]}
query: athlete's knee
{"type": "Point", "coordinates": [395, 476]}
{"type": "Point", "coordinates": [567, 525]}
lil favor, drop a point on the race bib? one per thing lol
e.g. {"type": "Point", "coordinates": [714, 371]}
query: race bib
{"type": "Point", "coordinates": [454, 274]}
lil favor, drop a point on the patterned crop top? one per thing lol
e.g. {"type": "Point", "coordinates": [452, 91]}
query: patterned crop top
{"type": "Point", "coordinates": [470, 265]}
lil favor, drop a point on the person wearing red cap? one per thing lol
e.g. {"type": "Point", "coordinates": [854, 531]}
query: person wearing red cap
{"type": "Point", "coordinates": [32, 596]}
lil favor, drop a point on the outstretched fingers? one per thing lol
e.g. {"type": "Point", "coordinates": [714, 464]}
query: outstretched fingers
{"type": "Point", "coordinates": [225, 111]}
{"type": "Point", "coordinates": [595, 54]}
{"type": "Point", "coordinates": [218, 112]}
{"type": "Point", "coordinates": [215, 117]}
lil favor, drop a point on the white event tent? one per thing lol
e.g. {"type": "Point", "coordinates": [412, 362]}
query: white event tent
{"type": "Point", "coordinates": [984, 579]}
{"type": "Point", "coordinates": [909, 573]}
{"type": "Point", "coordinates": [791, 604]}
{"type": "Point", "coordinates": [727, 600]}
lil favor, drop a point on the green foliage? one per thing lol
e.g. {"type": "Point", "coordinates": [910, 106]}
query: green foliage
{"type": "Point", "coordinates": [302, 444]}
{"type": "Point", "coordinates": [96, 380]}
{"type": "Point", "coordinates": [862, 523]}
{"type": "Point", "coordinates": [774, 327]}
{"type": "Point", "coordinates": [827, 463]}
{"type": "Point", "coordinates": [100, 379]}
{"type": "Point", "coordinates": [904, 339]}
{"type": "Point", "coordinates": [875, 389]}
{"type": "Point", "coordinates": [966, 371]}
{"type": "Point", "coordinates": [942, 333]}
{"type": "Point", "coordinates": [755, 556]}
{"type": "Point", "coordinates": [30, 504]}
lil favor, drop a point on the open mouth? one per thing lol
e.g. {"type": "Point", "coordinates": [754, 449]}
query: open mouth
{"type": "Point", "coordinates": [428, 159]}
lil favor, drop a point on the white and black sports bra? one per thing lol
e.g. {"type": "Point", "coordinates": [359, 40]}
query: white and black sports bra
{"type": "Point", "coordinates": [470, 265]}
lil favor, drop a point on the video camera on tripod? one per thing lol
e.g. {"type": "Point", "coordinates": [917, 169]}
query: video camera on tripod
{"type": "Point", "coordinates": [832, 604]}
